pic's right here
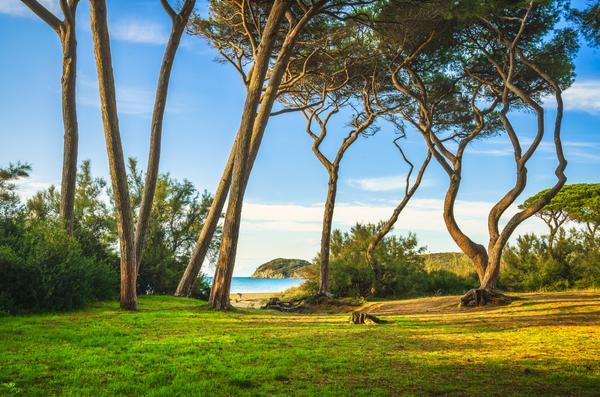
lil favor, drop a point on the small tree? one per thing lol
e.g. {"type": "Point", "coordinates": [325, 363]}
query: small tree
{"type": "Point", "coordinates": [578, 202]}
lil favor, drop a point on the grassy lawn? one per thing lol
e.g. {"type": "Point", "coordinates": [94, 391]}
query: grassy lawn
{"type": "Point", "coordinates": [545, 344]}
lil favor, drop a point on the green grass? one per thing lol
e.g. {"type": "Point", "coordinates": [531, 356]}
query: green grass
{"type": "Point", "coordinates": [544, 345]}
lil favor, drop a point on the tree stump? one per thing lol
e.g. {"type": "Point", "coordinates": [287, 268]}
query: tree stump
{"type": "Point", "coordinates": [364, 318]}
{"type": "Point", "coordinates": [482, 297]}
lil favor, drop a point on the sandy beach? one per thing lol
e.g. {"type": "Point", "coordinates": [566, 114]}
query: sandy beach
{"type": "Point", "coordinates": [253, 300]}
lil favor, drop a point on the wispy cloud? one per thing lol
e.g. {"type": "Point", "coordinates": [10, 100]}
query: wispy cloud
{"type": "Point", "coordinates": [583, 96]}
{"type": "Point", "coordinates": [28, 187]}
{"type": "Point", "coordinates": [385, 183]}
{"type": "Point", "coordinates": [17, 8]}
{"type": "Point", "coordinates": [131, 100]}
{"type": "Point", "coordinates": [574, 150]}
{"type": "Point", "coordinates": [419, 215]}
{"type": "Point", "coordinates": [139, 31]}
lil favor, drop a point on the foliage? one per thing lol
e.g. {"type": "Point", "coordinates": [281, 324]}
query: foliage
{"type": "Point", "coordinates": [588, 20]}
{"type": "Point", "coordinates": [178, 214]}
{"type": "Point", "coordinates": [43, 269]}
{"type": "Point", "coordinates": [579, 202]}
{"type": "Point", "coordinates": [402, 266]}
{"type": "Point", "coordinates": [9, 201]}
{"type": "Point", "coordinates": [573, 263]}
{"type": "Point", "coordinates": [539, 346]}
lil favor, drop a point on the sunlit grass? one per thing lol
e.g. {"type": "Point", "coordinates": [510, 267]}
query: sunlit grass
{"type": "Point", "coordinates": [543, 345]}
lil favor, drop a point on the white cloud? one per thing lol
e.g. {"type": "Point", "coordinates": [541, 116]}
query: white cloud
{"type": "Point", "coordinates": [583, 96]}
{"type": "Point", "coordinates": [139, 31]}
{"type": "Point", "coordinates": [574, 150]}
{"type": "Point", "coordinates": [28, 187]}
{"type": "Point", "coordinates": [292, 230]}
{"type": "Point", "coordinates": [419, 215]}
{"type": "Point", "coordinates": [381, 184]}
{"type": "Point", "coordinates": [17, 8]}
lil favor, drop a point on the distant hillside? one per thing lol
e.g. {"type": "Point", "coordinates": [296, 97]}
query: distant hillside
{"type": "Point", "coordinates": [455, 262]}
{"type": "Point", "coordinates": [282, 268]}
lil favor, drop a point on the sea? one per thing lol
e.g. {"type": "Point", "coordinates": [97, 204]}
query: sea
{"type": "Point", "coordinates": [245, 285]}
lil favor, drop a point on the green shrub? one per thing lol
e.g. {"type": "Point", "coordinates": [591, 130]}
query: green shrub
{"type": "Point", "coordinates": [401, 262]}
{"type": "Point", "coordinates": [530, 265]}
{"type": "Point", "coordinates": [44, 270]}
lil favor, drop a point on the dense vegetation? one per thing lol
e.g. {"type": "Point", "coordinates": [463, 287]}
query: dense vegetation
{"type": "Point", "coordinates": [404, 272]}
{"type": "Point", "coordinates": [42, 268]}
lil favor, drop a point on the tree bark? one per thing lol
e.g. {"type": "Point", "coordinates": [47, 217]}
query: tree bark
{"type": "Point", "coordinates": [476, 252]}
{"type": "Point", "coordinates": [326, 233]}
{"type": "Point", "coordinates": [66, 33]}
{"type": "Point", "coordinates": [219, 296]}
{"type": "Point", "coordinates": [179, 22]}
{"type": "Point", "coordinates": [71, 135]}
{"type": "Point", "coordinates": [190, 275]}
{"type": "Point", "coordinates": [114, 148]}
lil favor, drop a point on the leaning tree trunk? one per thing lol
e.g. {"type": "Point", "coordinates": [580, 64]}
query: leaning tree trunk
{"type": "Point", "coordinates": [326, 233]}
{"type": "Point", "coordinates": [71, 136]}
{"type": "Point", "coordinates": [115, 153]}
{"type": "Point", "coordinates": [475, 252]}
{"type": "Point", "coordinates": [179, 24]}
{"type": "Point", "coordinates": [219, 296]}
{"type": "Point", "coordinates": [186, 284]}
{"type": "Point", "coordinates": [192, 270]}
{"type": "Point", "coordinates": [389, 224]}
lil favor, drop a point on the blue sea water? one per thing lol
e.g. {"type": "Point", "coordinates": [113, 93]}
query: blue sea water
{"type": "Point", "coordinates": [249, 284]}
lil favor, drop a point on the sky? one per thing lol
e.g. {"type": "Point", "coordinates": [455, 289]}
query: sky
{"type": "Point", "coordinates": [283, 205]}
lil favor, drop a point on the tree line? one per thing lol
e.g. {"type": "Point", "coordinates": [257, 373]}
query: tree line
{"type": "Point", "coordinates": [452, 72]}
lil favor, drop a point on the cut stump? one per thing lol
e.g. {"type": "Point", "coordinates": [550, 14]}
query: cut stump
{"type": "Point", "coordinates": [364, 318]}
{"type": "Point", "coordinates": [483, 297]}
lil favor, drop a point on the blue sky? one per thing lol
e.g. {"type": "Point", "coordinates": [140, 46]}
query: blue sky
{"type": "Point", "coordinates": [283, 207]}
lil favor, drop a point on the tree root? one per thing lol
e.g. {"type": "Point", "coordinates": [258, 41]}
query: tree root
{"type": "Point", "coordinates": [364, 318]}
{"type": "Point", "coordinates": [278, 304]}
{"type": "Point", "coordinates": [482, 297]}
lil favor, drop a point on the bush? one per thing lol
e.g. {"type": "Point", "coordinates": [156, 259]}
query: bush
{"type": "Point", "coordinates": [531, 266]}
{"type": "Point", "coordinates": [44, 270]}
{"type": "Point", "coordinates": [400, 260]}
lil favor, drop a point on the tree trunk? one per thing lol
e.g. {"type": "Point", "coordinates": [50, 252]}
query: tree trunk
{"type": "Point", "coordinates": [192, 270]}
{"type": "Point", "coordinates": [66, 33]}
{"type": "Point", "coordinates": [326, 233]}
{"type": "Point", "coordinates": [219, 297]}
{"type": "Point", "coordinates": [115, 153]}
{"type": "Point", "coordinates": [492, 271]}
{"type": "Point", "coordinates": [179, 24]}
{"type": "Point", "coordinates": [476, 252]}
{"type": "Point", "coordinates": [186, 284]}
{"type": "Point", "coordinates": [71, 136]}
